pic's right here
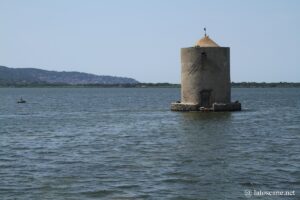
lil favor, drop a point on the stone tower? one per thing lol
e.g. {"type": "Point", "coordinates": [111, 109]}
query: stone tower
{"type": "Point", "coordinates": [205, 78]}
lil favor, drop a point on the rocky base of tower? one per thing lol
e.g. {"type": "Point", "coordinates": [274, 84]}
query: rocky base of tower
{"type": "Point", "coordinates": [216, 107]}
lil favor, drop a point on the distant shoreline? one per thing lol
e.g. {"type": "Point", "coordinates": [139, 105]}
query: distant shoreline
{"type": "Point", "coordinates": [148, 85]}
{"type": "Point", "coordinates": [39, 78]}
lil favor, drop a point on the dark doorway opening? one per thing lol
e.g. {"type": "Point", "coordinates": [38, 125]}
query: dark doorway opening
{"type": "Point", "coordinates": [205, 98]}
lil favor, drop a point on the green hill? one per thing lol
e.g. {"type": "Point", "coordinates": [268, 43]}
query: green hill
{"type": "Point", "coordinates": [29, 76]}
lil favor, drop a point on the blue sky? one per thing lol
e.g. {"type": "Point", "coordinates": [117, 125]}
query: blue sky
{"type": "Point", "coordinates": [142, 39]}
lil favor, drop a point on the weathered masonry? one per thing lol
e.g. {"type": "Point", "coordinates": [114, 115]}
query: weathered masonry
{"type": "Point", "coordinates": [205, 78]}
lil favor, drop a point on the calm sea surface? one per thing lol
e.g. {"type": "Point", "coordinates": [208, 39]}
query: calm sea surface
{"type": "Point", "coordinates": [87, 143]}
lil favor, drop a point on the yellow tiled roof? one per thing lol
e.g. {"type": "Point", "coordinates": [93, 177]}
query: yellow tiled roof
{"type": "Point", "coordinates": [206, 42]}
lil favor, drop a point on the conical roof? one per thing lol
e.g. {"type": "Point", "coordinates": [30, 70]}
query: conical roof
{"type": "Point", "coordinates": [206, 42]}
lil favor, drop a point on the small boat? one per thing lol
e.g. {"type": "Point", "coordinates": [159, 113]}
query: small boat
{"type": "Point", "coordinates": [21, 100]}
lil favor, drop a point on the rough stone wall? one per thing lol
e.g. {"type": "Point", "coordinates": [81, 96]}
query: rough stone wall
{"type": "Point", "coordinates": [205, 69]}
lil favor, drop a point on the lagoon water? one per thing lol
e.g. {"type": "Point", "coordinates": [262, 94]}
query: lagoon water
{"type": "Point", "coordinates": [119, 143]}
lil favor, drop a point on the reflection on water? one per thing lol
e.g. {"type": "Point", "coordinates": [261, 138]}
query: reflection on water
{"type": "Point", "coordinates": [206, 116]}
{"type": "Point", "coordinates": [125, 143]}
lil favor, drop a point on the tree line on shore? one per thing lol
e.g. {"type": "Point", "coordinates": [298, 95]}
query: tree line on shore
{"type": "Point", "coordinates": [153, 85]}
